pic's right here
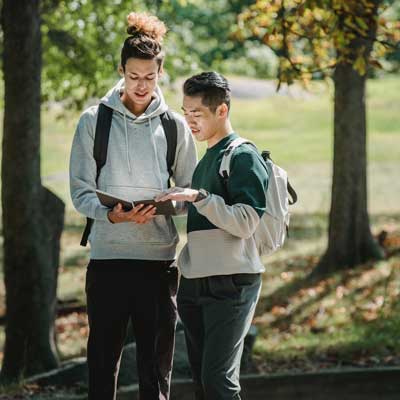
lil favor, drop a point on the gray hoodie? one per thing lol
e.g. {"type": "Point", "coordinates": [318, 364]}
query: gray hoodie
{"type": "Point", "coordinates": [136, 168]}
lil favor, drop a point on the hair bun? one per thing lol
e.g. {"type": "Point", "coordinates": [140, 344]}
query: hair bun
{"type": "Point", "coordinates": [143, 23]}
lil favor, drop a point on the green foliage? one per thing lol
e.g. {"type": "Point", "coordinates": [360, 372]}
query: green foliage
{"type": "Point", "coordinates": [312, 36]}
{"type": "Point", "coordinates": [81, 44]}
{"type": "Point", "coordinates": [258, 61]}
{"type": "Point", "coordinates": [391, 61]}
{"type": "Point", "coordinates": [82, 41]}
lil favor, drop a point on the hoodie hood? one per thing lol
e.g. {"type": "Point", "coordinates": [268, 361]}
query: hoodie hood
{"type": "Point", "coordinates": [113, 100]}
{"type": "Point", "coordinates": [156, 107]}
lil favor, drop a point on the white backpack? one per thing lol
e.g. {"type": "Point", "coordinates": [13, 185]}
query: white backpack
{"type": "Point", "coordinates": [272, 230]}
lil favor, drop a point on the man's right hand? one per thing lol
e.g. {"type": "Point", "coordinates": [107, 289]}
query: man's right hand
{"type": "Point", "coordinates": [139, 214]}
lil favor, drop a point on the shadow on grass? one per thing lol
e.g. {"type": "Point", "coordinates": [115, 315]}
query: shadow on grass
{"type": "Point", "coordinates": [281, 296]}
{"type": "Point", "coordinates": [326, 286]}
{"type": "Point", "coordinates": [376, 344]}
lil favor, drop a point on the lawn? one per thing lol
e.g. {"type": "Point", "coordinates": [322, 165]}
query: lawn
{"type": "Point", "coordinates": [297, 131]}
{"type": "Point", "coordinates": [348, 319]}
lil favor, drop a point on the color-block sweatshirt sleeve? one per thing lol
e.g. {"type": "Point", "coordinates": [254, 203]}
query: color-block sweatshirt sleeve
{"type": "Point", "coordinates": [82, 169]}
{"type": "Point", "coordinates": [247, 183]}
{"type": "Point", "coordinates": [185, 159]}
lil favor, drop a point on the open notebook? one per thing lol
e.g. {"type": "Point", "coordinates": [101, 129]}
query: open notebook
{"type": "Point", "coordinates": [163, 207]}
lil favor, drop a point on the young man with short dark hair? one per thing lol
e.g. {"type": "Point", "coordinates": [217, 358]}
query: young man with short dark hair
{"type": "Point", "coordinates": [220, 265]}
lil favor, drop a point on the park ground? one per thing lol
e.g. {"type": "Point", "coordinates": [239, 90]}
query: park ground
{"type": "Point", "coordinates": [347, 319]}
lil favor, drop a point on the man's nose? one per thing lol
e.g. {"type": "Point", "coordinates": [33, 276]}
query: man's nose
{"type": "Point", "coordinates": [142, 84]}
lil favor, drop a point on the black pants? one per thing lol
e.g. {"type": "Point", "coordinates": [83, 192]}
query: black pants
{"type": "Point", "coordinates": [145, 292]}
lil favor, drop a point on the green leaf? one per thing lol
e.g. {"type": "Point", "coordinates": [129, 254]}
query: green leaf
{"type": "Point", "coordinates": [361, 23]}
{"type": "Point", "coordinates": [360, 65]}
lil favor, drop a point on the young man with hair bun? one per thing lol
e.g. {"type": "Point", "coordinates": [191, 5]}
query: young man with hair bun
{"type": "Point", "coordinates": [220, 265]}
{"type": "Point", "coordinates": [131, 273]}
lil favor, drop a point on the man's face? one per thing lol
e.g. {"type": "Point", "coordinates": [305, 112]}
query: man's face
{"type": "Point", "coordinates": [141, 78]}
{"type": "Point", "coordinates": [201, 120]}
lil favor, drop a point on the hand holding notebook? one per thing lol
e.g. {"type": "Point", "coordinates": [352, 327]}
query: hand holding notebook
{"type": "Point", "coordinates": [163, 208]}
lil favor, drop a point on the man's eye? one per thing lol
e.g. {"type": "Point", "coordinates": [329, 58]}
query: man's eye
{"type": "Point", "coordinates": [133, 78]}
{"type": "Point", "coordinates": [151, 78]}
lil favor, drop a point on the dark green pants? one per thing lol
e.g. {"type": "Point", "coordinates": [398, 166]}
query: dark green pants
{"type": "Point", "coordinates": [216, 313]}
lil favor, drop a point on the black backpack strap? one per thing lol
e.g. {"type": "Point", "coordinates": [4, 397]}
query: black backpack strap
{"type": "Point", "coordinates": [171, 134]}
{"type": "Point", "coordinates": [101, 137]}
{"type": "Point", "coordinates": [100, 148]}
{"type": "Point", "coordinates": [292, 193]}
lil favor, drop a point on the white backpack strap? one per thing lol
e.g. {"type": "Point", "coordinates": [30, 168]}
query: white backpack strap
{"type": "Point", "coordinates": [224, 168]}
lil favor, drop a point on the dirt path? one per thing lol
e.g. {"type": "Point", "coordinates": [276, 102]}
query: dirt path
{"type": "Point", "coordinates": [248, 88]}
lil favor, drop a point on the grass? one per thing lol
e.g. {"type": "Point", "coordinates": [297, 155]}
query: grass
{"type": "Point", "coordinates": [298, 132]}
{"type": "Point", "coordinates": [350, 318]}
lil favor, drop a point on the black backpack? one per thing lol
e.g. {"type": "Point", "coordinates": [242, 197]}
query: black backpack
{"type": "Point", "coordinates": [100, 147]}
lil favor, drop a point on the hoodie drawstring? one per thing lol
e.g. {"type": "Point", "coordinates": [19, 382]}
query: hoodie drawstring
{"type": "Point", "coordinates": [152, 139]}
{"type": "Point", "coordinates": [126, 145]}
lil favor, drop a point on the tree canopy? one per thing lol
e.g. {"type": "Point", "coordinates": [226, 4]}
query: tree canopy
{"type": "Point", "coordinates": [311, 37]}
{"type": "Point", "coordinates": [82, 41]}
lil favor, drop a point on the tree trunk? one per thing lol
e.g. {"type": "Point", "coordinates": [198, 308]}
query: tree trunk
{"type": "Point", "coordinates": [32, 216]}
{"type": "Point", "coordinates": [350, 241]}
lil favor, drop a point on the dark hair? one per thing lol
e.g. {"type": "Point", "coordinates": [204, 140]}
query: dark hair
{"type": "Point", "coordinates": [146, 36]}
{"type": "Point", "coordinates": [212, 87]}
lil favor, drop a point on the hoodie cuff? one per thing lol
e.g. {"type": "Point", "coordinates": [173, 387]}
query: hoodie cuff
{"type": "Point", "coordinates": [102, 214]}
{"type": "Point", "coordinates": [202, 203]}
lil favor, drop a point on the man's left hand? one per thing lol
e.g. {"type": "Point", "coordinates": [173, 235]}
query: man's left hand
{"type": "Point", "coordinates": [178, 194]}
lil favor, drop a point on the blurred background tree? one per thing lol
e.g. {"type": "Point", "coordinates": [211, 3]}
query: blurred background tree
{"type": "Point", "coordinates": [32, 215]}
{"type": "Point", "coordinates": [342, 39]}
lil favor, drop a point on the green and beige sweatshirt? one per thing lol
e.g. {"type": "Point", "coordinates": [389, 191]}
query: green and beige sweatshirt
{"type": "Point", "coordinates": [220, 227]}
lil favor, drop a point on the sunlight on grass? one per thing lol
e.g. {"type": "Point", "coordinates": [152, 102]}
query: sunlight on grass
{"type": "Point", "coordinates": [298, 132]}
{"type": "Point", "coordinates": [350, 318]}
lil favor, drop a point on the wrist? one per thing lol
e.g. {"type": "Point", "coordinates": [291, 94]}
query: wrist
{"type": "Point", "coordinates": [109, 217]}
{"type": "Point", "coordinates": [201, 195]}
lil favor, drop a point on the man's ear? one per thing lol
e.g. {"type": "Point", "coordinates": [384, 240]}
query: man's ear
{"type": "Point", "coordinates": [120, 70]}
{"type": "Point", "coordinates": [222, 110]}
